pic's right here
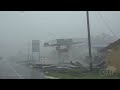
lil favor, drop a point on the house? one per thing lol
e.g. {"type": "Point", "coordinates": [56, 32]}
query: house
{"type": "Point", "coordinates": [112, 55]}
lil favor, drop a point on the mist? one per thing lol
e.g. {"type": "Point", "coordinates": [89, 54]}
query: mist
{"type": "Point", "coordinates": [18, 29]}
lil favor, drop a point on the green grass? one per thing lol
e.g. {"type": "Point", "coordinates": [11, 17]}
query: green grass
{"type": "Point", "coordinates": [76, 74]}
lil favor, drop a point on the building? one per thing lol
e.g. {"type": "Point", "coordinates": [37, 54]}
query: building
{"type": "Point", "coordinates": [111, 55]}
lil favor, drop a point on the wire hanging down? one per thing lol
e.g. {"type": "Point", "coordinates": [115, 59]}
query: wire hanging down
{"type": "Point", "coordinates": [108, 26]}
{"type": "Point", "coordinates": [100, 27]}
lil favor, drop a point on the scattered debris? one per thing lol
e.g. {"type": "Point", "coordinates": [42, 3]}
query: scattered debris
{"type": "Point", "coordinates": [50, 77]}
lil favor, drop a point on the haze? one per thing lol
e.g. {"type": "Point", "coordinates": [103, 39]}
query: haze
{"type": "Point", "coordinates": [18, 29]}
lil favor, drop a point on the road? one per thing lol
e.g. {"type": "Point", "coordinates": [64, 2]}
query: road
{"type": "Point", "coordinates": [12, 70]}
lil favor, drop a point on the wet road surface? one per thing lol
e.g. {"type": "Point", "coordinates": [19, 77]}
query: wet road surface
{"type": "Point", "coordinates": [13, 70]}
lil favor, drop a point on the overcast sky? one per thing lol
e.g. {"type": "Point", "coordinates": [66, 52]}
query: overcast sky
{"type": "Point", "coordinates": [17, 28]}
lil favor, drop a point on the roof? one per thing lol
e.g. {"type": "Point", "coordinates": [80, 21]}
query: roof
{"type": "Point", "coordinates": [112, 45]}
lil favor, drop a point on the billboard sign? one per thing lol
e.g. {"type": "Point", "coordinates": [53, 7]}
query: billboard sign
{"type": "Point", "coordinates": [60, 41]}
{"type": "Point", "coordinates": [35, 45]}
{"type": "Point", "coordinates": [68, 41]}
{"type": "Point", "coordinates": [64, 41]}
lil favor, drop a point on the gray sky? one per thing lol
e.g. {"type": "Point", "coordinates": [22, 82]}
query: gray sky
{"type": "Point", "coordinates": [17, 28]}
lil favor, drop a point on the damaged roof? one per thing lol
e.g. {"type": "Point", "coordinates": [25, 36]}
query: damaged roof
{"type": "Point", "coordinates": [112, 45]}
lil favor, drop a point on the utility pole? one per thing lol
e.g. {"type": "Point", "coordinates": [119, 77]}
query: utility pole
{"type": "Point", "coordinates": [28, 52]}
{"type": "Point", "coordinates": [39, 54]}
{"type": "Point", "coordinates": [89, 41]}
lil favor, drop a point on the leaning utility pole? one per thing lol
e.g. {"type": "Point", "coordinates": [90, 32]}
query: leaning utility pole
{"type": "Point", "coordinates": [89, 41]}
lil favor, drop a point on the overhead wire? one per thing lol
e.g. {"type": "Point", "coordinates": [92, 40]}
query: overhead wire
{"type": "Point", "coordinates": [99, 21]}
{"type": "Point", "coordinates": [107, 25]}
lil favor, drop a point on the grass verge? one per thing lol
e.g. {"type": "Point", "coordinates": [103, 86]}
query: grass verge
{"type": "Point", "coordinates": [76, 74]}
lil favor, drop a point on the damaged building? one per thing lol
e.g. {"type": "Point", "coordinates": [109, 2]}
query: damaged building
{"type": "Point", "coordinates": [112, 55]}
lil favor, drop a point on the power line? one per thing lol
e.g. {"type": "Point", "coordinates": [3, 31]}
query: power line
{"type": "Point", "coordinates": [82, 19]}
{"type": "Point", "coordinates": [93, 24]}
{"type": "Point", "coordinates": [108, 26]}
{"type": "Point", "coordinates": [100, 27]}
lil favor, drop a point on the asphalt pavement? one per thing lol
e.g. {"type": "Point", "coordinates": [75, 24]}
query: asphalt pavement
{"type": "Point", "coordinates": [13, 70]}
